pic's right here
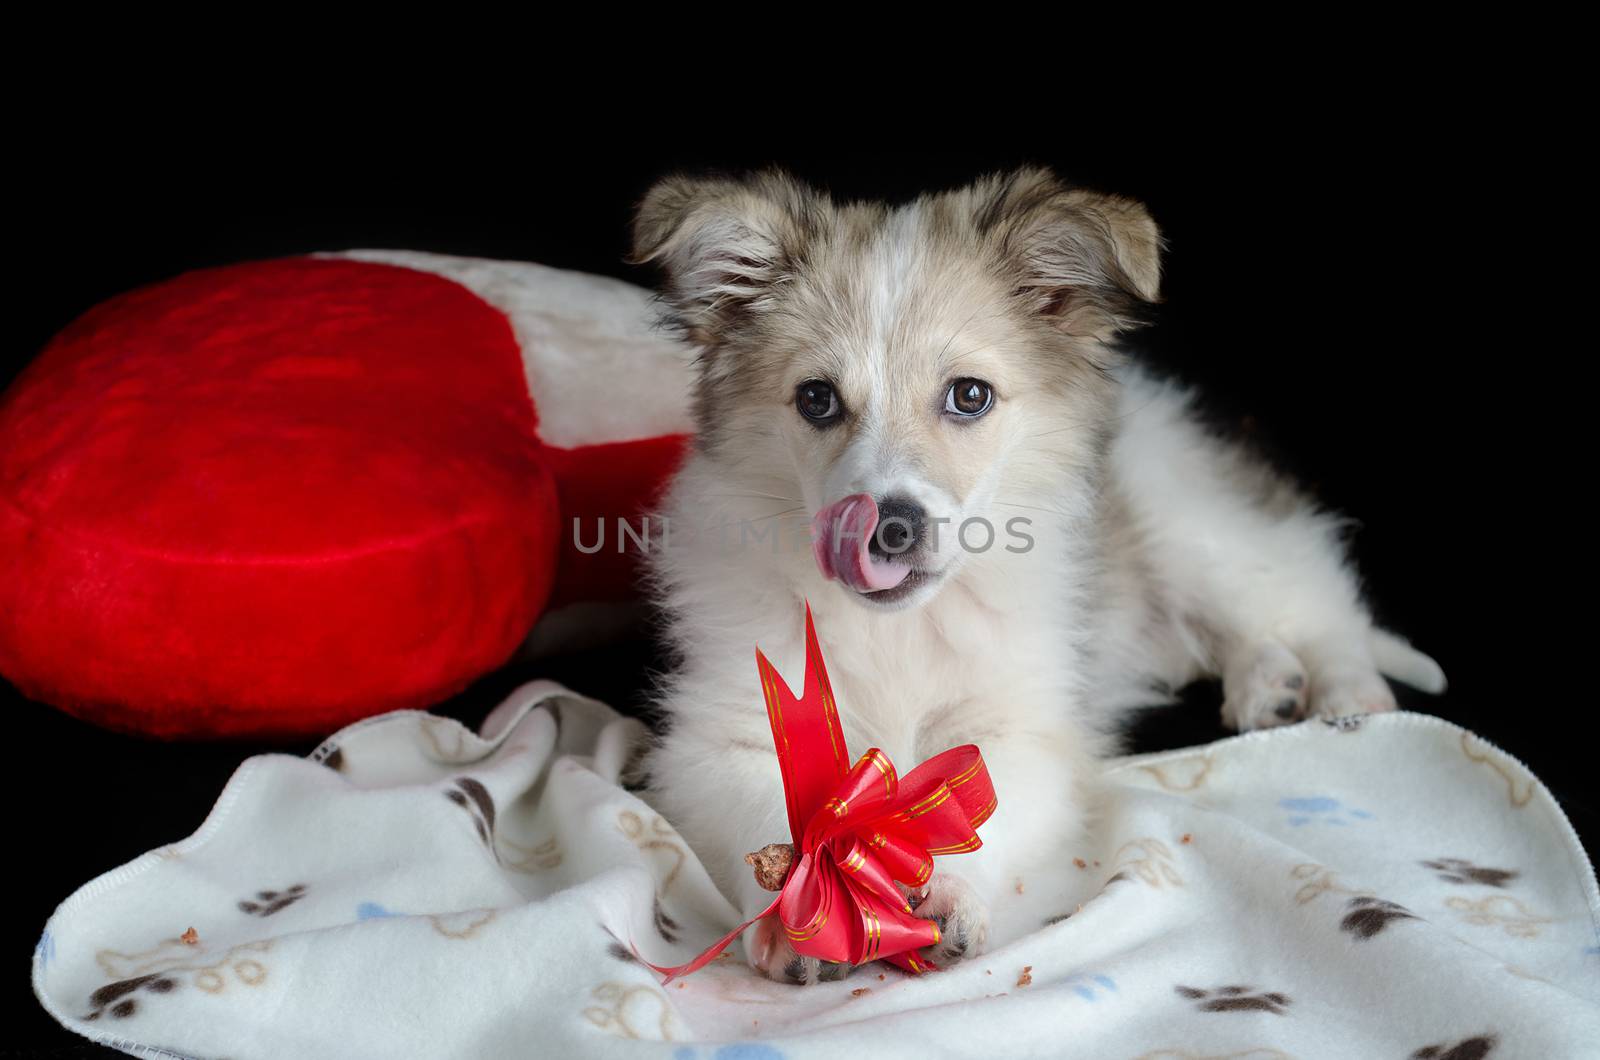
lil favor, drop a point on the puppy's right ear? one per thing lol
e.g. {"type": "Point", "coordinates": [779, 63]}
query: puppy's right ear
{"type": "Point", "coordinates": [725, 245]}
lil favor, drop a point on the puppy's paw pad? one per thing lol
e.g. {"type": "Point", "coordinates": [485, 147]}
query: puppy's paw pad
{"type": "Point", "coordinates": [962, 918]}
{"type": "Point", "coordinates": [1263, 687]}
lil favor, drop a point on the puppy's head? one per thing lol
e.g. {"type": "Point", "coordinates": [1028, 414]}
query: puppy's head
{"type": "Point", "coordinates": [920, 376]}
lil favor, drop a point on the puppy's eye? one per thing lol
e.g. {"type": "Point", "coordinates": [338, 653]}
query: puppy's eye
{"type": "Point", "coordinates": [969, 398]}
{"type": "Point", "coordinates": [816, 401]}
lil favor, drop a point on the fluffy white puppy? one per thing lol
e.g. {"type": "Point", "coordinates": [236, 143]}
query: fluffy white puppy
{"type": "Point", "coordinates": [915, 417]}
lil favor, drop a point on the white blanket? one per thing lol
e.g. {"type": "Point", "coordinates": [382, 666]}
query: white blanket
{"type": "Point", "coordinates": [1393, 889]}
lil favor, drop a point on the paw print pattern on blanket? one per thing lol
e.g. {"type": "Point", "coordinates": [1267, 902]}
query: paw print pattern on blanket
{"type": "Point", "coordinates": [1368, 916]}
{"type": "Point", "coordinates": [1148, 859]}
{"type": "Point", "coordinates": [462, 925]}
{"type": "Point", "coordinates": [474, 798]}
{"type": "Point", "coordinates": [1263, 1053]}
{"type": "Point", "coordinates": [732, 1051]}
{"type": "Point", "coordinates": [1182, 775]}
{"type": "Point", "coordinates": [1502, 911]}
{"type": "Point", "coordinates": [160, 970]}
{"type": "Point", "coordinates": [1456, 870]}
{"type": "Point", "coordinates": [1519, 789]}
{"type": "Point", "coordinates": [266, 903]}
{"type": "Point", "coordinates": [119, 997]}
{"type": "Point", "coordinates": [536, 858]}
{"type": "Point", "coordinates": [666, 927]}
{"type": "Point", "coordinates": [1321, 809]}
{"type": "Point", "coordinates": [658, 837]}
{"type": "Point", "coordinates": [638, 1012]}
{"type": "Point", "coordinates": [615, 949]}
{"type": "Point", "coordinates": [1236, 999]}
{"type": "Point", "coordinates": [1090, 987]}
{"type": "Point", "coordinates": [46, 949]}
{"type": "Point", "coordinates": [1475, 1048]}
{"type": "Point", "coordinates": [1319, 880]}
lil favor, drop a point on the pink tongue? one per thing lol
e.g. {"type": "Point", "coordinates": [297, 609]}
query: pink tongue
{"type": "Point", "coordinates": [840, 535]}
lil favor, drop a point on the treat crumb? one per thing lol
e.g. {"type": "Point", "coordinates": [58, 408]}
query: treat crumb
{"type": "Point", "coordinates": [880, 977]}
{"type": "Point", "coordinates": [682, 985]}
{"type": "Point", "coordinates": [190, 937]}
{"type": "Point", "coordinates": [771, 864]}
{"type": "Point", "coordinates": [1080, 863]}
{"type": "Point", "coordinates": [1187, 838]}
{"type": "Point", "coordinates": [1019, 886]}
{"type": "Point", "coordinates": [1026, 978]}
{"type": "Point", "coordinates": [861, 991]}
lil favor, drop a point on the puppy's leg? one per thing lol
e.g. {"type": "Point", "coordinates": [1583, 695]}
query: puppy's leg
{"type": "Point", "coordinates": [1235, 555]}
{"type": "Point", "coordinates": [1264, 684]}
{"type": "Point", "coordinates": [719, 783]}
{"type": "Point", "coordinates": [1041, 782]}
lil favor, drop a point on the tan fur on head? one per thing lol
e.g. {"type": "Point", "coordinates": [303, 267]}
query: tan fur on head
{"type": "Point", "coordinates": [1078, 255]}
{"type": "Point", "coordinates": [1087, 258]}
{"type": "Point", "coordinates": [1018, 279]}
{"type": "Point", "coordinates": [1017, 282]}
{"type": "Point", "coordinates": [725, 244]}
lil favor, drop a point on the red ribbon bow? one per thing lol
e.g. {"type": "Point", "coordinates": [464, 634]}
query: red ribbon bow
{"type": "Point", "coordinates": [858, 830]}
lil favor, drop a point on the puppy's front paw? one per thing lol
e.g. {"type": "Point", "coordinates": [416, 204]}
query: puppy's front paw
{"type": "Point", "coordinates": [769, 952]}
{"type": "Point", "coordinates": [1344, 692]}
{"type": "Point", "coordinates": [962, 917]}
{"type": "Point", "coordinates": [1264, 686]}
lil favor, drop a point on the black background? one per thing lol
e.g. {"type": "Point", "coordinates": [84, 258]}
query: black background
{"type": "Point", "coordinates": [1367, 294]}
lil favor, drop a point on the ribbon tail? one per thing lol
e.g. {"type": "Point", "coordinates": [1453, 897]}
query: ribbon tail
{"type": "Point", "coordinates": [806, 733]}
{"type": "Point", "coordinates": [707, 956]}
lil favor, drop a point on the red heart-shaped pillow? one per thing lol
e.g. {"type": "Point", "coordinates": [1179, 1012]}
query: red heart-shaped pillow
{"type": "Point", "coordinates": [276, 497]}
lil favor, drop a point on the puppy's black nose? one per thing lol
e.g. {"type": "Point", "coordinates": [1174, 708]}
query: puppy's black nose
{"type": "Point", "coordinates": [900, 526]}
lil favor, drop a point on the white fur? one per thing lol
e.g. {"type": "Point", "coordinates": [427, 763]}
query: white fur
{"type": "Point", "coordinates": [1160, 556]}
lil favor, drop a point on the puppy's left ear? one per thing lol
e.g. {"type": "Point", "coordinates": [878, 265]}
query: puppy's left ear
{"type": "Point", "coordinates": [1090, 262]}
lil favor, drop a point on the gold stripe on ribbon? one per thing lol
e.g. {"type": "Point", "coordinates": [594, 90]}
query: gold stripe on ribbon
{"type": "Point", "coordinates": [927, 805]}
{"type": "Point", "coordinates": [964, 776]}
{"type": "Point", "coordinates": [810, 931]}
{"type": "Point", "coordinates": [958, 848]}
{"type": "Point", "coordinates": [983, 814]}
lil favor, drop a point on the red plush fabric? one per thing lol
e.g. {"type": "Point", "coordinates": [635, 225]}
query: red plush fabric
{"type": "Point", "coordinates": [271, 499]}
{"type": "Point", "coordinates": [599, 485]}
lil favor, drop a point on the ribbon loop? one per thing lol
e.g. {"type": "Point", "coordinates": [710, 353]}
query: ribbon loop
{"type": "Point", "coordinates": [861, 832]}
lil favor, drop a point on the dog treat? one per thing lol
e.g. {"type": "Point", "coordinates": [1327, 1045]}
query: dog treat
{"type": "Point", "coordinates": [771, 864]}
{"type": "Point", "coordinates": [1026, 978]}
{"type": "Point", "coordinates": [861, 991]}
{"type": "Point", "coordinates": [190, 937]}
{"type": "Point", "coordinates": [1080, 863]}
